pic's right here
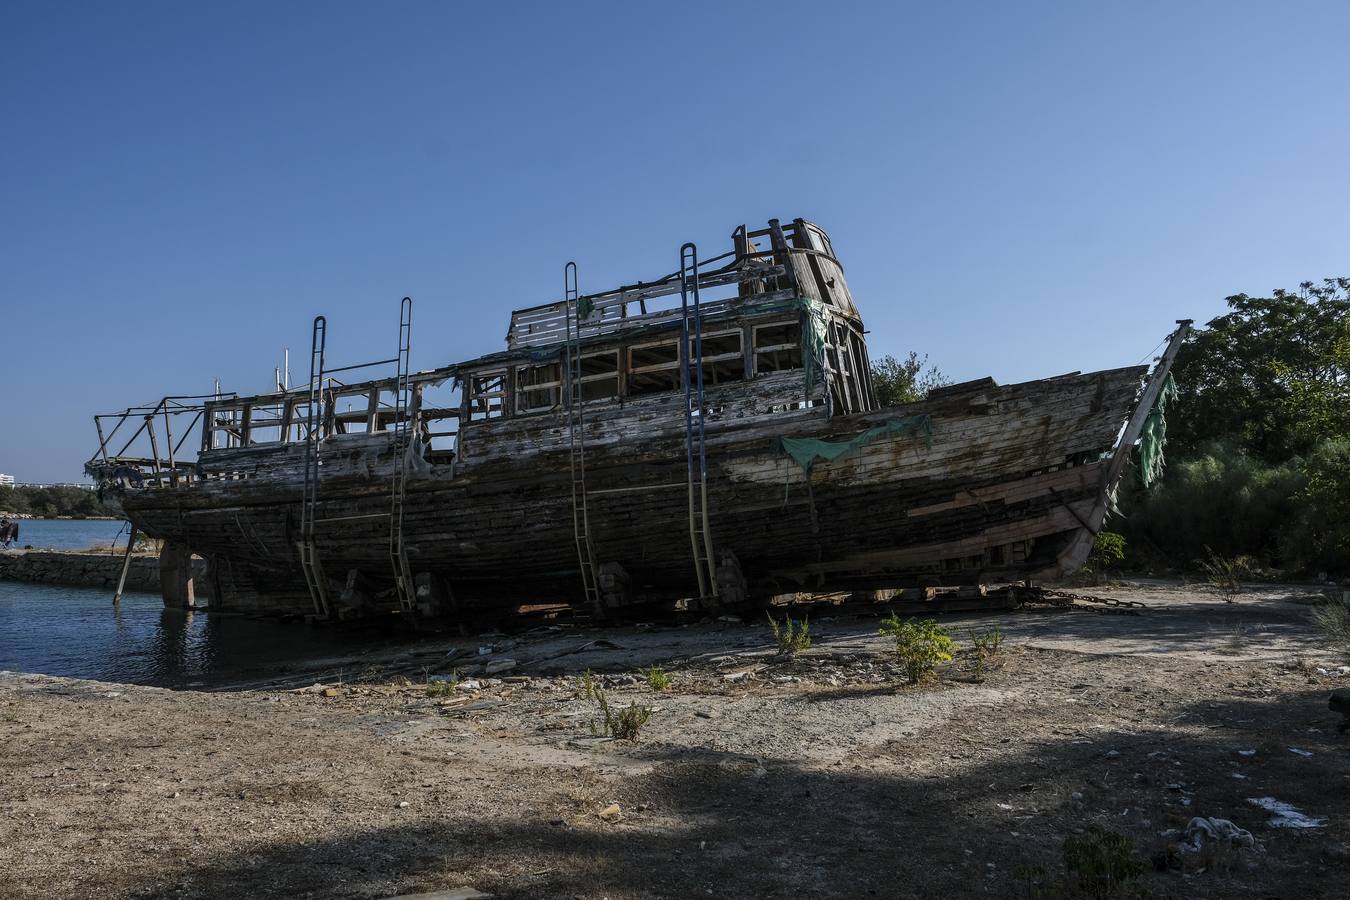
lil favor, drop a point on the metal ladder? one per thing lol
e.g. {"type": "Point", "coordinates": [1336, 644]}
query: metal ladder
{"type": "Point", "coordinates": [691, 379]}
{"type": "Point", "coordinates": [309, 558]}
{"type": "Point", "coordinates": [400, 440]}
{"type": "Point", "coordinates": [576, 420]}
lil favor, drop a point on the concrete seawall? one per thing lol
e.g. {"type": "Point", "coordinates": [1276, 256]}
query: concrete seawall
{"type": "Point", "coordinates": [79, 569]}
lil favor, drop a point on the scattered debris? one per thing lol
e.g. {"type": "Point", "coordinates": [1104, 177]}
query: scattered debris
{"type": "Point", "coordinates": [1202, 829]}
{"type": "Point", "coordinates": [1285, 815]}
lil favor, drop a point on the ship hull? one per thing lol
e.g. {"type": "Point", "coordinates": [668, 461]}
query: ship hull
{"type": "Point", "coordinates": [993, 483]}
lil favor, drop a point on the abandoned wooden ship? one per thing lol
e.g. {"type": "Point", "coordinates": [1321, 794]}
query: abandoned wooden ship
{"type": "Point", "coordinates": [710, 437]}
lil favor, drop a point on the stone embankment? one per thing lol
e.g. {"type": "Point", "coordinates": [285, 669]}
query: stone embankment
{"type": "Point", "coordinates": [79, 569]}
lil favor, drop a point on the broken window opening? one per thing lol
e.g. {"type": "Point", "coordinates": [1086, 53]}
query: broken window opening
{"type": "Point", "coordinates": [654, 367]}
{"type": "Point", "coordinates": [487, 395]}
{"type": "Point", "coordinates": [538, 388]}
{"type": "Point", "coordinates": [600, 375]}
{"type": "Point", "coordinates": [777, 347]}
{"type": "Point", "coordinates": [723, 357]}
{"type": "Point", "coordinates": [350, 411]}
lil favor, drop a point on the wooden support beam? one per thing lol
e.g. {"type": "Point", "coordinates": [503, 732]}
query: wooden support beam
{"type": "Point", "coordinates": [175, 576]}
{"type": "Point", "coordinates": [126, 565]}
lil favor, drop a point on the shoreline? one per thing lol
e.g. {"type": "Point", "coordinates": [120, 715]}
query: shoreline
{"type": "Point", "coordinates": [398, 779]}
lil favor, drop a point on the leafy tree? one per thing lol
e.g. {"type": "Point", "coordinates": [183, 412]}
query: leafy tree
{"type": "Point", "coordinates": [904, 381]}
{"type": "Point", "coordinates": [1259, 437]}
{"type": "Point", "coordinates": [1272, 376]}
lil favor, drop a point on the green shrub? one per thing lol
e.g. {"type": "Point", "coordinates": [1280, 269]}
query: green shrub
{"type": "Point", "coordinates": [921, 645]}
{"type": "Point", "coordinates": [792, 636]}
{"type": "Point", "coordinates": [1325, 526]}
{"type": "Point", "coordinates": [1108, 552]}
{"type": "Point", "coordinates": [1333, 620]}
{"type": "Point", "coordinates": [657, 678]}
{"type": "Point", "coordinates": [1224, 499]}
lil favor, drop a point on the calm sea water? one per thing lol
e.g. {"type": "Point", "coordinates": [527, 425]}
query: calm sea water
{"type": "Point", "coordinates": [72, 534]}
{"type": "Point", "coordinates": [77, 632]}
{"type": "Point", "coordinates": [55, 630]}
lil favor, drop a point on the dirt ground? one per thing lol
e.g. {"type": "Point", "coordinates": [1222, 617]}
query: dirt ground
{"type": "Point", "coordinates": [756, 776]}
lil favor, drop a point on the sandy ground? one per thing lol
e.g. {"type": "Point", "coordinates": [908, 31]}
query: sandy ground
{"type": "Point", "coordinates": [756, 776]}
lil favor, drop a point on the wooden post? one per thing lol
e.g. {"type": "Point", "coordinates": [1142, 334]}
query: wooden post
{"type": "Point", "coordinates": [1141, 411]}
{"type": "Point", "coordinates": [175, 576]}
{"type": "Point", "coordinates": [168, 443]}
{"type": "Point", "coordinates": [154, 444]}
{"type": "Point", "coordinates": [102, 441]}
{"type": "Point", "coordinates": [126, 564]}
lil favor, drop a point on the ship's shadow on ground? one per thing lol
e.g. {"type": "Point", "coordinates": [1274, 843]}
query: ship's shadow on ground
{"type": "Point", "coordinates": [703, 823]}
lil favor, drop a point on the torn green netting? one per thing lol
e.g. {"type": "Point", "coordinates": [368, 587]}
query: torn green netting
{"type": "Point", "coordinates": [1153, 437]}
{"type": "Point", "coordinates": [807, 450]}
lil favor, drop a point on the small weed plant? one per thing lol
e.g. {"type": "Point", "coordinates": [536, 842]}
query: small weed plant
{"type": "Point", "coordinates": [628, 722]}
{"type": "Point", "coordinates": [444, 687]}
{"type": "Point", "coordinates": [1101, 863]}
{"type": "Point", "coordinates": [791, 636]}
{"type": "Point", "coordinates": [921, 645]}
{"type": "Point", "coordinates": [1225, 573]}
{"type": "Point", "coordinates": [986, 644]}
{"type": "Point", "coordinates": [658, 679]}
{"type": "Point", "coordinates": [624, 725]}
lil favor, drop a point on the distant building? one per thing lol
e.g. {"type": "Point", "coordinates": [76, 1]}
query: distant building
{"type": "Point", "coordinates": [6, 479]}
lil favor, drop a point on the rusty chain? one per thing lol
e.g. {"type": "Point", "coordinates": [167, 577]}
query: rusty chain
{"type": "Point", "coordinates": [1067, 600]}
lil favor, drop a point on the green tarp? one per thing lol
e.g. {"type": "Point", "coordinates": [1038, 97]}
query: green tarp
{"type": "Point", "coordinates": [1153, 436]}
{"type": "Point", "coordinates": [807, 450]}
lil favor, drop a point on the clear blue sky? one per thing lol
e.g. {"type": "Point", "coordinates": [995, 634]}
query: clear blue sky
{"type": "Point", "coordinates": [1016, 189]}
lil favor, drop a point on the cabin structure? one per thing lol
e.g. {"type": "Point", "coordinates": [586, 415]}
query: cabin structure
{"type": "Point", "coordinates": [709, 437]}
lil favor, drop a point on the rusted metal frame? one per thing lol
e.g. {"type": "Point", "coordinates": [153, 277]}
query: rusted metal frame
{"type": "Point", "coordinates": [188, 431]}
{"type": "Point", "coordinates": [366, 365]}
{"type": "Point", "coordinates": [131, 439]}
{"type": "Point", "coordinates": [691, 378]}
{"type": "Point", "coordinates": [309, 561]}
{"type": "Point", "coordinates": [576, 422]}
{"type": "Point", "coordinates": [400, 440]}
